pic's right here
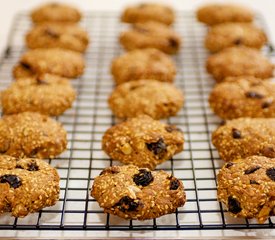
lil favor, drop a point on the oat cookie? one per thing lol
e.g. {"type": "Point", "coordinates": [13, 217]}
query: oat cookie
{"type": "Point", "coordinates": [137, 193]}
{"type": "Point", "coordinates": [247, 187]}
{"type": "Point", "coordinates": [151, 35]}
{"type": "Point", "coordinates": [57, 61]}
{"type": "Point", "coordinates": [31, 134]}
{"type": "Point", "coordinates": [153, 98]}
{"type": "Point", "coordinates": [143, 64]}
{"type": "Point", "coordinates": [148, 12]}
{"type": "Point", "coordinates": [27, 185]}
{"type": "Point", "coordinates": [57, 35]}
{"type": "Point", "coordinates": [220, 13]}
{"type": "Point", "coordinates": [55, 12]}
{"type": "Point", "coordinates": [47, 94]}
{"type": "Point", "coordinates": [243, 97]}
{"type": "Point", "coordinates": [234, 34]}
{"type": "Point", "coordinates": [239, 61]}
{"type": "Point", "coordinates": [143, 142]}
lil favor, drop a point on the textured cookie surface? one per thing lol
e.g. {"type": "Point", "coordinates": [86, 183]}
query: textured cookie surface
{"type": "Point", "coordinates": [243, 97]}
{"type": "Point", "coordinates": [247, 187]}
{"type": "Point", "coordinates": [148, 12]}
{"type": "Point", "coordinates": [56, 35]}
{"type": "Point", "coordinates": [31, 134]}
{"type": "Point", "coordinates": [137, 193]}
{"type": "Point", "coordinates": [27, 185]}
{"type": "Point", "coordinates": [143, 64]}
{"type": "Point", "coordinates": [151, 35]}
{"type": "Point", "coordinates": [47, 94]}
{"type": "Point", "coordinates": [55, 12]}
{"type": "Point", "coordinates": [150, 97]}
{"type": "Point", "coordinates": [234, 34]}
{"type": "Point", "coordinates": [143, 142]}
{"type": "Point", "coordinates": [243, 137]}
{"type": "Point", "coordinates": [239, 61]}
{"type": "Point", "coordinates": [220, 13]}
{"type": "Point", "coordinates": [61, 62]}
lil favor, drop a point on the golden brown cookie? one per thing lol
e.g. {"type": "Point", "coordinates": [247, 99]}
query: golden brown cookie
{"type": "Point", "coordinates": [55, 12]}
{"type": "Point", "coordinates": [212, 14]}
{"type": "Point", "coordinates": [151, 35]}
{"type": "Point", "coordinates": [239, 61]}
{"type": "Point", "coordinates": [247, 187]}
{"type": "Point", "coordinates": [234, 34]}
{"type": "Point", "coordinates": [147, 63]}
{"type": "Point", "coordinates": [145, 12]}
{"type": "Point", "coordinates": [61, 62]}
{"type": "Point", "coordinates": [153, 98]}
{"type": "Point", "coordinates": [27, 185]}
{"type": "Point", "coordinates": [143, 142]}
{"type": "Point", "coordinates": [47, 94]}
{"type": "Point", "coordinates": [57, 35]}
{"type": "Point", "coordinates": [31, 134]}
{"type": "Point", "coordinates": [137, 193]}
{"type": "Point", "coordinates": [243, 97]}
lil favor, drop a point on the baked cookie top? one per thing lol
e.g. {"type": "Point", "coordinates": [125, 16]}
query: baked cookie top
{"type": "Point", "coordinates": [148, 12]}
{"type": "Point", "coordinates": [247, 187]}
{"type": "Point", "coordinates": [151, 35]}
{"type": "Point", "coordinates": [137, 193]}
{"type": "Point", "coordinates": [47, 94]}
{"type": "Point", "coordinates": [57, 35]}
{"type": "Point", "coordinates": [212, 14]}
{"type": "Point", "coordinates": [55, 12]}
{"type": "Point", "coordinates": [147, 63]}
{"type": "Point", "coordinates": [234, 34]}
{"type": "Point", "coordinates": [57, 61]}
{"type": "Point", "coordinates": [143, 142]}
{"type": "Point", "coordinates": [31, 134]}
{"type": "Point", "coordinates": [243, 97]}
{"type": "Point", "coordinates": [27, 185]}
{"type": "Point", "coordinates": [153, 98]}
{"type": "Point", "coordinates": [239, 61]}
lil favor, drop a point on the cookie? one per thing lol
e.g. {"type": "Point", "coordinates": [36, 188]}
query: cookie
{"type": "Point", "coordinates": [234, 34]}
{"type": "Point", "coordinates": [56, 35]}
{"type": "Point", "coordinates": [153, 98]}
{"type": "Point", "coordinates": [239, 61]}
{"type": "Point", "coordinates": [143, 64]}
{"type": "Point", "coordinates": [243, 137]}
{"type": "Point", "coordinates": [145, 12]}
{"type": "Point", "coordinates": [243, 97]}
{"type": "Point", "coordinates": [143, 142]}
{"type": "Point", "coordinates": [47, 94]}
{"type": "Point", "coordinates": [212, 14]}
{"type": "Point", "coordinates": [151, 35]}
{"type": "Point", "coordinates": [57, 61]}
{"type": "Point", "coordinates": [137, 193]}
{"type": "Point", "coordinates": [55, 12]}
{"type": "Point", "coordinates": [31, 134]}
{"type": "Point", "coordinates": [247, 187]}
{"type": "Point", "coordinates": [27, 185]}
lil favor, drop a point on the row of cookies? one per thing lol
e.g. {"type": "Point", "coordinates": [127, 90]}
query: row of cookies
{"type": "Point", "coordinates": [41, 90]}
{"type": "Point", "coordinates": [246, 183]}
{"type": "Point", "coordinates": [144, 94]}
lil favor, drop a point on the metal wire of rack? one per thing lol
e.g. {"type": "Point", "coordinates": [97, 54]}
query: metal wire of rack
{"type": "Point", "coordinates": [90, 117]}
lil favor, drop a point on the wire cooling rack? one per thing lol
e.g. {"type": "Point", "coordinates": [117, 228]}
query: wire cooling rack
{"type": "Point", "coordinates": [90, 117]}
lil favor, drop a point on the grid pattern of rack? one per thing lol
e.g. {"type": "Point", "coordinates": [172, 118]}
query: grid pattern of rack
{"type": "Point", "coordinates": [87, 121]}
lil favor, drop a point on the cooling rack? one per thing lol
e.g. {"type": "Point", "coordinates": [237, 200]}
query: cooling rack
{"type": "Point", "coordinates": [90, 117]}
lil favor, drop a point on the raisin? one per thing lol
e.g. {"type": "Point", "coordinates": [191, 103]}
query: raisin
{"type": "Point", "coordinates": [157, 147]}
{"type": "Point", "coordinates": [254, 95]}
{"type": "Point", "coordinates": [127, 204]}
{"type": "Point", "coordinates": [236, 133]}
{"type": "Point", "coordinates": [51, 33]}
{"type": "Point", "coordinates": [143, 178]}
{"type": "Point", "coordinates": [172, 128]}
{"type": "Point", "coordinates": [173, 42]}
{"type": "Point", "coordinates": [254, 182]}
{"type": "Point", "coordinates": [268, 151]}
{"type": "Point", "coordinates": [109, 170]}
{"type": "Point", "coordinates": [233, 205]}
{"type": "Point", "coordinates": [40, 81]}
{"type": "Point", "coordinates": [238, 41]}
{"type": "Point", "coordinates": [267, 103]}
{"type": "Point", "coordinates": [174, 184]}
{"type": "Point", "coordinates": [222, 123]}
{"type": "Point", "coordinates": [228, 165]}
{"type": "Point", "coordinates": [251, 170]}
{"type": "Point", "coordinates": [271, 173]}
{"type": "Point", "coordinates": [13, 180]}
{"type": "Point", "coordinates": [25, 65]}
{"type": "Point", "coordinates": [32, 166]}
